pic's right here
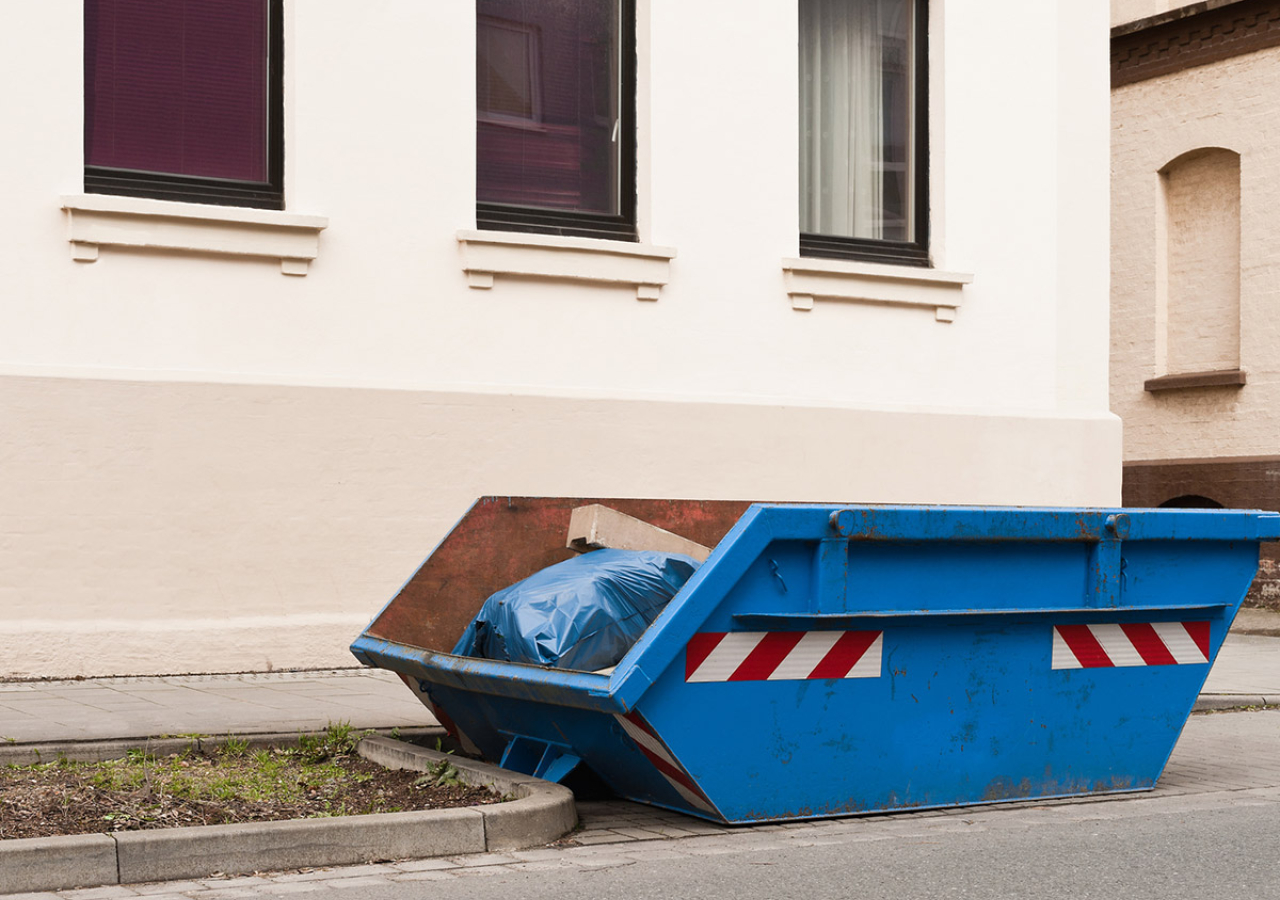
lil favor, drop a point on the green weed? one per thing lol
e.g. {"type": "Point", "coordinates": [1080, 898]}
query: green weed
{"type": "Point", "coordinates": [440, 774]}
{"type": "Point", "coordinates": [235, 747]}
{"type": "Point", "coordinates": [338, 740]}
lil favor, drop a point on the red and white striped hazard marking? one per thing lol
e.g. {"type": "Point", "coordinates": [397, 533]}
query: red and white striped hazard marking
{"type": "Point", "coordinates": [783, 655]}
{"type": "Point", "coordinates": [657, 753]}
{"type": "Point", "coordinates": [1131, 644]}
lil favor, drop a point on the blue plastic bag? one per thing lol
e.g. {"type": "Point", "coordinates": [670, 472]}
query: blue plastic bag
{"type": "Point", "coordinates": [582, 614]}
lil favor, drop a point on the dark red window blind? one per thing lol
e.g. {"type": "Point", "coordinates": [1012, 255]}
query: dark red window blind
{"type": "Point", "coordinates": [552, 124]}
{"type": "Point", "coordinates": [178, 87]}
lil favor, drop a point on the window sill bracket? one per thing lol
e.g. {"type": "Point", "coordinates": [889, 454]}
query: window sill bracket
{"type": "Point", "coordinates": [107, 220]}
{"type": "Point", "coordinates": [813, 279]}
{"type": "Point", "coordinates": [486, 254]}
{"type": "Point", "coordinates": [1229, 378]}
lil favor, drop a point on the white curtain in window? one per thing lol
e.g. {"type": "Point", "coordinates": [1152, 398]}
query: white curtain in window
{"type": "Point", "coordinates": [842, 114]}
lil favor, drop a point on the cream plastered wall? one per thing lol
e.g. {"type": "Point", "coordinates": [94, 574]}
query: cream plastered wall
{"type": "Point", "coordinates": [211, 465]}
{"type": "Point", "coordinates": [1230, 105]}
{"type": "Point", "coordinates": [1126, 11]}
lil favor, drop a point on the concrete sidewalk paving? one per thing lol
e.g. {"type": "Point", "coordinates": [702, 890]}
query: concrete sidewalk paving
{"type": "Point", "coordinates": [1247, 671]}
{"type": "Point", "coordinates": [97, 709]}
{"type": "Point", "coordinates": [1249, 665]}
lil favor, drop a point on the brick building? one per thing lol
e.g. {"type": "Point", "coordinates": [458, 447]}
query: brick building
{"type": "Point", "coordinates": [1195, 362]}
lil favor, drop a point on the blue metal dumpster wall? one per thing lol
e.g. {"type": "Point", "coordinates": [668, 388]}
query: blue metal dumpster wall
{"type": "Point", "coordinates": [830, 660]}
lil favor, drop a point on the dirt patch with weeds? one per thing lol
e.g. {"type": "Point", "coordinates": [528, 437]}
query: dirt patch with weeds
{"type": "Point", "coordinates": [230, 783]}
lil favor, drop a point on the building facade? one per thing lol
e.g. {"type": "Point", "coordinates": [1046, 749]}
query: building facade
{"type": "Point", "coordinates": [275, 309]}
{"type": "Point", "coordinates": [1195, 272]}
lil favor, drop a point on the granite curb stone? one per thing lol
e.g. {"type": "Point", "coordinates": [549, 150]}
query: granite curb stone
{"type": "Point", "coordinates": [541, 808]}
{"type": "Point", "coordinates": [1207, 702]}
{"type": "Point", "coordinates": [177, 853]}
{"type": "Point", "coordinates": [57, 863]}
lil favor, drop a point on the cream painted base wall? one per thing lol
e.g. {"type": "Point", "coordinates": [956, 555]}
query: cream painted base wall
{"type": "Point", "coordinates": [153, 527]}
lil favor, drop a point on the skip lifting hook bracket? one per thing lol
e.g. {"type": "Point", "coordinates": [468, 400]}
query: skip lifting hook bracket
{"type": "Point", "coordinates": [842, 522]}
{"type": "Point", "coordinates": [1118, 526]}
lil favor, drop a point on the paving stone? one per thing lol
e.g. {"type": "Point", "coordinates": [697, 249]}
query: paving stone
{"type": "Point", "coordinates": [424, 865]}
{"type": "Point", "coordinates": [650, 853]}
{"type": "Point", "coordinates": [606, 837]}
{"type": "Point", "coordinates": [111, 892]}
{"type": "Point", "coordinates": [440, 875]}
{"type": "Point", "coordinates": [544, 865]}
{"type": "Point", "coordinates": [239, 881]}
{"type": "Point", "coordinates": [336, 873]}
{"type": "Point", "coordinates": [537, 855]}
{"type": "Point", "coordinates": [482, 871]}
{"type": "Point", "coordinates": [476, 860]}
{"type": "Point", "coordinates": [603, 862]}
{"type": "Point", "coordinates": [640, 834]}
{"type": "Point", "coordinates": [171, 887]}
{"type": "Point", "coordinates": [296, 887]}
{"type": "Point", "coordinates": [707, 828]}
{"type": "Point", "coordinates": [366, 881]}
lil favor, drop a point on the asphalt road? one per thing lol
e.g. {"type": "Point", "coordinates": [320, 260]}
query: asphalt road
{"type": "Point", "coordinates": [1170, 850]}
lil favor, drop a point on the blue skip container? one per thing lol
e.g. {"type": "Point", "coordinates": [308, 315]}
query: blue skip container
{"type": "Point", "coordinates": [834, 660]}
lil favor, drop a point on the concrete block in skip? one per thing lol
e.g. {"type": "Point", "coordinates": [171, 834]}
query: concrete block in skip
{"type": "Point", "coordinates": [595, 526]}
{"type": "Point", "coordinates": [238, 849]}
{"type": "Point", "coordinates": [56, 863]}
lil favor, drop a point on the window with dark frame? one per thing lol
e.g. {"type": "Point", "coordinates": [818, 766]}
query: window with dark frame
{"type": "Point", "coordinates": [555, 117]}
{"type": "Point", "coordinates": [864, 130]}
{"type": "Point", "coordinates": [183, 100]}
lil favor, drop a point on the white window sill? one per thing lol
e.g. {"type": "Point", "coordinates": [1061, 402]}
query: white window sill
{"type": "Point", "coordinates": [486, 254]}
{"type": "Point", "coordinates": [107, 220]}
{"type": "Point", "coordinates": [837, 279]}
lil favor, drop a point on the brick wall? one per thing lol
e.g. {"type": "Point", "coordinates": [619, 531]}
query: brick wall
{"type": "Point", "coordinates": [1234, 483]}
{"type": "Point", "coordinates": [1193, 34]}
{"type": "Point", "coordinates": [1232, 104]}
